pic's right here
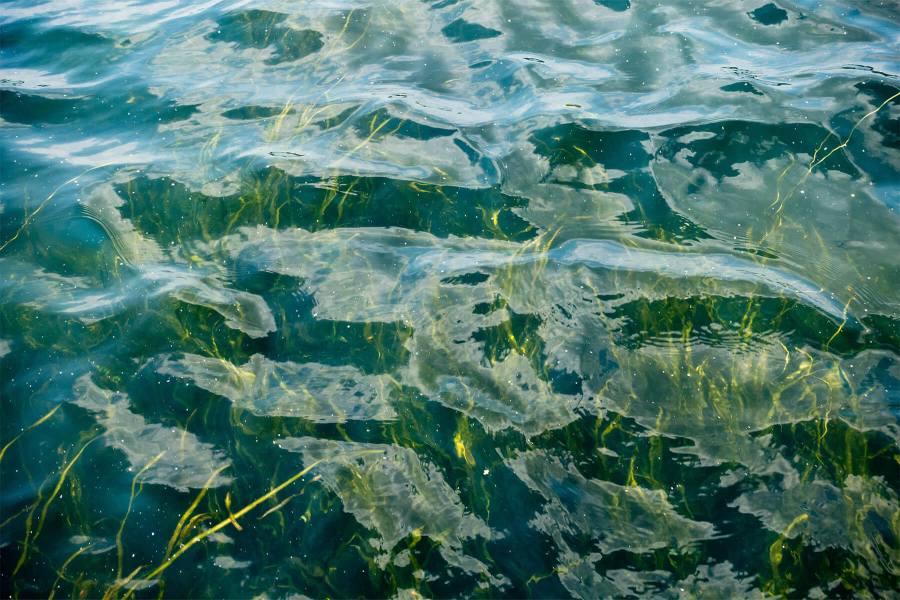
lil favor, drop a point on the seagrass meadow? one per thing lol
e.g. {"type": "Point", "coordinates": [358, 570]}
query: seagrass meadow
{"type": "Point", "coordinates": [450, 299]}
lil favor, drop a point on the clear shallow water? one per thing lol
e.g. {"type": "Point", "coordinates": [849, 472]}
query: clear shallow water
{"type": "Point", "coordinates": [446, 299]}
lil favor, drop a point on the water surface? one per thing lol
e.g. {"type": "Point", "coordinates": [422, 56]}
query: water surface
{"type": "Point", "coordinates": [513, 299]}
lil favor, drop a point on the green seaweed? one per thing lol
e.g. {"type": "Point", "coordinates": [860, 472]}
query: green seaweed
{"type": "Point", "coordinates": [355, 385]}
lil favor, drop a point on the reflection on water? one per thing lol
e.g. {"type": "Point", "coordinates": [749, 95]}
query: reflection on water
{"type": "Point", "coordinates": [588, 298]}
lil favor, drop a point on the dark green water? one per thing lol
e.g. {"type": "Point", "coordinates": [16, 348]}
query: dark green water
{"type": "Point", "coordinates": [500, 299]}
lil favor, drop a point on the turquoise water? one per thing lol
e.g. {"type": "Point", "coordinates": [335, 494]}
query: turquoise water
{"type": "Point", "coordinates": [500, 299]}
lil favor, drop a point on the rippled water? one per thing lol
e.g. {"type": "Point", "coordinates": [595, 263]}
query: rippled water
{"type": "Point", "coordinates": [589, 298]}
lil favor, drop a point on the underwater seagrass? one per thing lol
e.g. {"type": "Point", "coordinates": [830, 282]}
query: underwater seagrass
{"type": "Point", "coordinates": [426, 299]}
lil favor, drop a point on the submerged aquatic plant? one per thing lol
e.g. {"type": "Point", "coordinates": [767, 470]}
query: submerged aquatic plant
{"type": "Point", "coordinates": [346, 346]}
